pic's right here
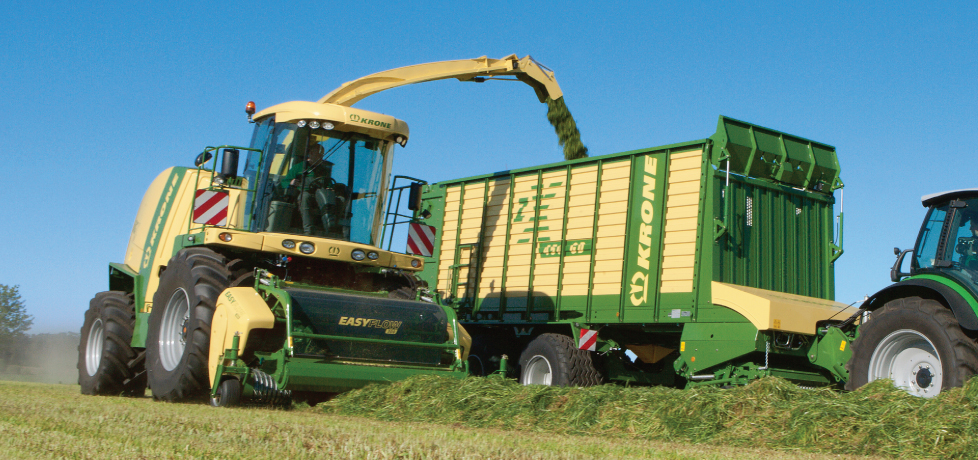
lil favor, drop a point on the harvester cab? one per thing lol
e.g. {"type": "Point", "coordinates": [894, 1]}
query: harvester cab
{"type": "Point", "coordinates": [920, 330]}
{"type": "Point", "coordinates": [320, 170]}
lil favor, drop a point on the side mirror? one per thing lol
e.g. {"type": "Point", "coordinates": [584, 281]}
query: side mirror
{"type": "Point", "coordinates": [414, 197]}
{"type": "Point", "coordinates": [895, 273]}
{"type": "Point", "coordinates": [204, 157]}
{"type": "Point", "coordinates": [229, 167]}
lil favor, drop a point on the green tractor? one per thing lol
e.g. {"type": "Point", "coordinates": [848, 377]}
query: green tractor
{"type": "Point", "coordinates": [920, 331]}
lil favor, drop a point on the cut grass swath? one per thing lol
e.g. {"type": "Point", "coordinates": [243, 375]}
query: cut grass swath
{"type": "Point", "coordinates": [878, 419]}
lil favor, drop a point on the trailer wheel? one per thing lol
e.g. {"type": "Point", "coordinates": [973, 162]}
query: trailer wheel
{"type": "Point", "coordinates": [179, 333]}
{"type": "Point", "coordinates": [228, 394]}
{"type": "Point", "coordinates": [107, 363]}
{"type": "Point", "coordinates": [553, 359]}
{"type": "Point", "coordinates": [915, 342]}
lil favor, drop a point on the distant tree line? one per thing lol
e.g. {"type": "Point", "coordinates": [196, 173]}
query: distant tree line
{"type": "Point", "coordinates": [14, 323]}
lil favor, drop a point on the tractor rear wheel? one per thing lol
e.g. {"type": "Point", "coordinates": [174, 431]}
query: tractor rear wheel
{"type": "Point", "coordinates": [107, 363]}
{"type": "Point", "coordinates": [178, 339]}
{"type": "Point", "coordinates": [554, 360]}
{"type": "Point", "coordinates": [915, 342]}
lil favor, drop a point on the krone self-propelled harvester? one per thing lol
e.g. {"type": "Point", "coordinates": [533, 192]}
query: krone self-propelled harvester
{"type": "Point", "coordinates": [261, 276]}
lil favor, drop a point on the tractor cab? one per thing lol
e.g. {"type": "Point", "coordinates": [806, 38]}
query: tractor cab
{"type": "Point", "coordinates": [948, 241]}
{"type": "Point", "coordinates": [320, 170]}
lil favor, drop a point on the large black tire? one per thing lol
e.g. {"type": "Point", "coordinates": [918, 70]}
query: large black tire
{"type": "Point", "coordinates": [915, 342]}
{"type": "Point", "coordinates": [555, 360]}
{"type": "Point", "coordinates": [107, 363]}
{"type": "Point", "coordinates": [179, 333]}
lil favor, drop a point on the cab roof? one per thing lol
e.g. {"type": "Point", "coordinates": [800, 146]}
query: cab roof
{"type": "Point", "coordinates": [343, 118]}
{"type": "Point", "coordinates": [928, 200]}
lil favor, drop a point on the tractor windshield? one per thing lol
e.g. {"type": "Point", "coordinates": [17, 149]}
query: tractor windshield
{"type": "Point", "coordinates": [948, 241]}
{"type": "Point", "coordinates": [318, 182]}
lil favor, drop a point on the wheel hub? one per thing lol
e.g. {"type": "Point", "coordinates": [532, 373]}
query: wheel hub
{"type": "Point", "coordinates": [183, 329]}
{"type": "Point", "coordinates": [909, 359]}
{"type": "Point", "coordinates": [93, 347]}
{"type": "Point", "coordinates": [537, 371]}
{"type": "Point", "coordinates": [924, 376]}
{"type": "Point", "coordinates": [174, 329]}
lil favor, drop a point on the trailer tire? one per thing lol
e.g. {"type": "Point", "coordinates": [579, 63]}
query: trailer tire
{"type": "Point", "coordinates": [107, 362]}
{"type": "Point", "coordinates": [934, 352]}
{"type": "Point", "coordinates": [178, 339]}
{"type": "Point", "coordinates": [554, 359]}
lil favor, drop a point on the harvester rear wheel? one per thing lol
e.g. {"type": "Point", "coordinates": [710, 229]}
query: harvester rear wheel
{"type": "Point", "coordinates": [107, 363]}
{"type": "Point", "coordinates": [228, 394]}
{"type": "Point", "coordinates": [915, 342]}
{"type": "Point", "coordinates": [554, 360]}
{"type": "Point", "coordinates": [179, 333]}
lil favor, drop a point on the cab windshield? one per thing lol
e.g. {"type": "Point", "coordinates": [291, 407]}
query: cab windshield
{"type": "Point", "coordinates": [317, 182]}
{"type": "Point", "coordinates": [956, 254]}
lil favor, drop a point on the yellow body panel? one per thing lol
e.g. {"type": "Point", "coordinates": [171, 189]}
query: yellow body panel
{"type": "Point", "coordinates": [546, 207]}
{"type": "Point", "coordinates": [771, 310]}
{"type": "Point", "coordinates": [164, 231]}
{"type": "Point", "coordinates": [682, 211]}
{"type": "Point", "coordinates": [144, 219]}
{"type": "Point", "coordinates": [239, 311]}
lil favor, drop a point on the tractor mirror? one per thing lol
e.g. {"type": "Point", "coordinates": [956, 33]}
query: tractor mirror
{"type": "Point", "coordinates": [229, 168]}
{"type": "Point", "coordinates": [414, 197]}
{"type": "Point", "coordinates": [895, 273]}
{"type": "Point", "coordinates": [204, 157]}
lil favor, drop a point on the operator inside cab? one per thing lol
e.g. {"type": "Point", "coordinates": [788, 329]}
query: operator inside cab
{"type": "Point", "coordinates": [967, 245]}
{"type": "Point", "coordinates": [319, 198]}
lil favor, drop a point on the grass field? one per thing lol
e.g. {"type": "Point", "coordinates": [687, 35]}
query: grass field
{"type": "Point", "coordinates": [41, 421]}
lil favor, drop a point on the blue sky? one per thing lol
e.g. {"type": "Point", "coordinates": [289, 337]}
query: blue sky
{"type": "Point", "coordinates": [95, 101]}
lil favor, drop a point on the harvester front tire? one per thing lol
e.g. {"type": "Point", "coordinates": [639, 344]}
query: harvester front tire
{"type": "Point", "coordinates": [179, 333]}
{"type": "Point", "coordinates": [554, 360]}
{"type": "Point", "coordinates": [228, 394]}
{"type": "Point", "coordinates": [915, 342]}
{"type": "Point", "coordinates": [107, 363]}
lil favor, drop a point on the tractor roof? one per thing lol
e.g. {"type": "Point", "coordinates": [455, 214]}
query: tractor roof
{"type": "Point", "coordinates": [928, 200]}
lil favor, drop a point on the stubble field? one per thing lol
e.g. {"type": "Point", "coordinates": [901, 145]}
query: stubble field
{"type": "Point", "coordinates": [432, 418]}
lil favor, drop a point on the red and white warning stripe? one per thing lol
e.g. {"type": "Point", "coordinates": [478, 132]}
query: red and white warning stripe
{"type": "Point", "coordinates": [421, 240]}
{"type": "Point", "coordinates": [211, 208]}
{"type": "Point", "coordinates": [588, 340]}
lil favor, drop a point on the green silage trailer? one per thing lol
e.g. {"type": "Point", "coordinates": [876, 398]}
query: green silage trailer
{"type": "Point", "coordinates": [703, 262]}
